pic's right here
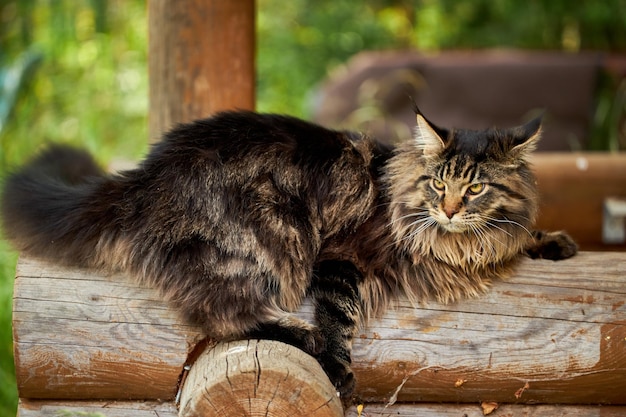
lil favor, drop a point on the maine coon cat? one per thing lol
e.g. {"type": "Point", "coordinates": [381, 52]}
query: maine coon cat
{"type": "Point", "coordinates": [237, 218]}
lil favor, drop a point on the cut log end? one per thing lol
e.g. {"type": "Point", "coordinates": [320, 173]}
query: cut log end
{"type": "Point", "coordinates": [256, 378]}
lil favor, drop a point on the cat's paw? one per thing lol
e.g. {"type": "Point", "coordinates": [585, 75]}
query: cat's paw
{"type": "Point", "coordinates": [314, 342]}
{"type": "Point", "coordinates": [292, 331]}
{"type": "Point", "coordinates": [310, 340]}
{"type": "Point", "coordinates": [339, 373]}
{"type": "Point", "coordinates": [552, 245]}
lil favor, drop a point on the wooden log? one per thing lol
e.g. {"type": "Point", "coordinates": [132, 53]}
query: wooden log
{"type": "Point", "coordinates": [573, 188]}
{"type": "Point", "coordinates": [55, 408]}
{"type": "Point", "coordinates": [51, 408]}
{"type": "Point", "coordinates": [253, 378]}
{"type": "Point", "coordinates": [82, 335]}
{"type": "Point", "coordinates": [201, 59]}
{"type": "Point", "coordinates": [554, 333]}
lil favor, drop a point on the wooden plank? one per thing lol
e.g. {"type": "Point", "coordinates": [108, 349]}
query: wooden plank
{"type": "Point", "coordinates": [35, 408]}
{"type": "Point", "coordinates": [558, 327]}
{"type": "Point", "coordinates": [573, 187]}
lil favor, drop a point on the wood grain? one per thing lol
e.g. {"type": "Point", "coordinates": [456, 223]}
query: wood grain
{"type": "Point", "coordinates": [201, 59]}
{"type": "Point", "coordinates": [50, 408]}
{"type": "Point", "coordinates": [55, 408]}
{"type": "Point", "coordinates": [257, 377]}
{"type": "Point", "coordinates": [83, 335]}
{"type": "Point", "coordinates": [558, 327]}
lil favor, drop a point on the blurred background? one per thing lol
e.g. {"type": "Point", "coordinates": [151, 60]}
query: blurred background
{"type": "Point", "coordinates": [75, 71]}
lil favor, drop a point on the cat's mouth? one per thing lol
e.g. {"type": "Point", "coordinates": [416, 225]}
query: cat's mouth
{"type": "Point", "coordinates": [453, 227]}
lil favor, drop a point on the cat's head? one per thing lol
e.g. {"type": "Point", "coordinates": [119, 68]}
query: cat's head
{"type": "Point", "coordinates": [467, 197]}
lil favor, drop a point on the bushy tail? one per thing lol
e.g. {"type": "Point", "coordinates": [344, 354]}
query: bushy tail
{"type": "Point", "coordinates": [48, 207]}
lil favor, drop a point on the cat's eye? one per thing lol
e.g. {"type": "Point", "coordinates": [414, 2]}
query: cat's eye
{"type": "Point", "coordinates": [438, 185]}
{"type": "Point", "coordinates": [475, 189]}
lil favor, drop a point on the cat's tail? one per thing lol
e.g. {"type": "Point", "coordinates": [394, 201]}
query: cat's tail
{"type": "Point", "coordinates": [48, 207]}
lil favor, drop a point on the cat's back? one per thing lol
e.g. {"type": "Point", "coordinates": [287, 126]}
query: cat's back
{"type": "Point", "coordinates": [245, 168]}
{"type": "Point", "coordinates": [237, 136]}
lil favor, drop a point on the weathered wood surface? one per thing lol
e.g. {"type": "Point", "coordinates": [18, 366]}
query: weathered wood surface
{"type": "Point", "coordinates": [201, 59]}
{"type": "Point", "coordinates": [54, 408]}
{"type": "Point", "coordinates": [573, 188]}
{"type": "Point", "coordinates": [50, 408]}
{"type": "Point", "coordinates": [84, 335]}
{"type": "Point", "coordinates": [257, 377]}
{"type": "Point", "coordinates": [558, 329]}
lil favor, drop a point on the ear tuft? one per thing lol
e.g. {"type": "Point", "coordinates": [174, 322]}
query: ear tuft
{"type": "Point", "coordinates": [525, 138]}
{"type": "Point", "coordinates": [427, 138]}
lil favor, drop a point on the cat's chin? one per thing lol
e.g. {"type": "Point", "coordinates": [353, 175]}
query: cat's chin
{"type": "Point", "coordinates": [452, 227]}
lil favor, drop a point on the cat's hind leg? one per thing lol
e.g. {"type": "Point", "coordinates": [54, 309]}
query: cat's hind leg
{"type": "Point", "coordinates": [291, 330]}
{"type": "Point", "coordinates": [338, 314]}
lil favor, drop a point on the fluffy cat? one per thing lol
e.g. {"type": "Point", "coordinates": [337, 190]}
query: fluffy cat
{"type": "Point", "coordinates": [237, 218]}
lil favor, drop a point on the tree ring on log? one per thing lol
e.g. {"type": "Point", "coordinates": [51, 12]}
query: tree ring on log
{"type": "Point", "coordinates": [257, 378]}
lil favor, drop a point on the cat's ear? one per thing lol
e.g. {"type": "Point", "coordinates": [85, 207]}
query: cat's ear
{"type": "Point", "coordinates": [524, 138]}
{"type": "Point", "coordinates": [428, 137]}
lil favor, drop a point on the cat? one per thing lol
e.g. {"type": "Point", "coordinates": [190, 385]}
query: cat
{"type": "Point", "coordinates": [239, 217]}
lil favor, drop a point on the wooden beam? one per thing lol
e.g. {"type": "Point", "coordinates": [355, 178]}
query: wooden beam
{"type": "Point", "coordinates": [257, 377]}
{"type": "Point", "coordinates": [201, 59]}
{"type": "Point", "coordinates": [554, 333]}
{"type": "Point", "coordinates": [55, 408]}
{"type": "Point", "coordinates": [51, 408]}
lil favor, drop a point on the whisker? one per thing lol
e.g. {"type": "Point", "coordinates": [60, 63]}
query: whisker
{"type": "Point", "coordinates": [489, 238]}
{"type": "Point", "coordinates": [505, 220]}
{"type": "Point", "coordinates": [499, 228]}
{"type": "Point", "coordinates": [423, 213]}
{"type": "Point", "coordinates": [425, 225]}
{"type": "Point", "coordinates": [482, 239]}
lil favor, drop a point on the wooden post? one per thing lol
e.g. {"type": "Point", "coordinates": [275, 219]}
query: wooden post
{"type": "Point", "coordinates": [257, 377]}
{"type": "Point", "coordinates": [201, 59]}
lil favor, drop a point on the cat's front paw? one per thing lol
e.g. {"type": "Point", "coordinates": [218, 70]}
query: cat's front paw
{"type": "Point", "coordinates": [339, 373]}
{"type": "Point", "coordinates": [552, 245]}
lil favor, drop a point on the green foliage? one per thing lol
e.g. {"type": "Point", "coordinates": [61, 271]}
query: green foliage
{"type": "Point", "coordinates": [89, 86]}
{"type": "Point", "coordinates": [299, 41]}
{"type": "Point", "coordinates": [536, 24]}
{"type": "Point", "coordinates": [8, 389]}
{"type": "Point", "coordinates": [70, 71]}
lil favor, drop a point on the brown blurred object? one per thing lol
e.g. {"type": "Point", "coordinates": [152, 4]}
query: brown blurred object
{"type": "Point", "coordinates": [469, 89]}
{"type": "Point", "coordinates": [574, 188]}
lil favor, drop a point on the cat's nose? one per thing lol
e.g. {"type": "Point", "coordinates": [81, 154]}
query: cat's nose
{"type": "Point", "coordinates": [451, 210]}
